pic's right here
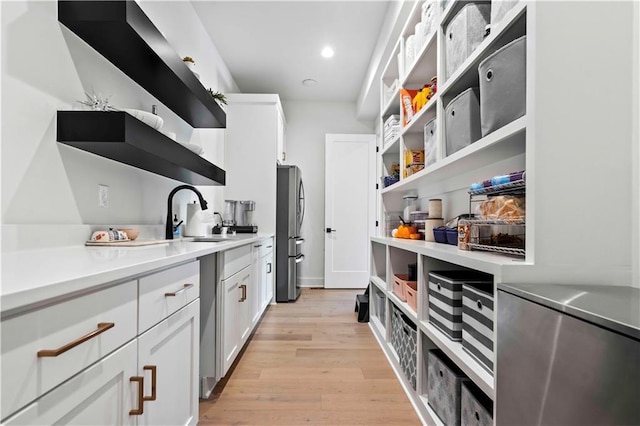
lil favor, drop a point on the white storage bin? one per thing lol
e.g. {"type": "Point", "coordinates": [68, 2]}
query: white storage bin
{"type": "Point", "coordinates": [462, 120]}
{"type": "Point", "coordinates": [429, 17]}
{"type": "Point", "coordinates": [503, 91]}
{"type": "Point", "coordinates": [477, 323]}
{"type": "Point", "coordinates": [464, 34]}
{"type": "Point", "coordinates": [431, 146]}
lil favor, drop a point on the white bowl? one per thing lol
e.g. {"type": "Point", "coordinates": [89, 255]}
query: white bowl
{"type": "Point", "coordinates": [147, 118]}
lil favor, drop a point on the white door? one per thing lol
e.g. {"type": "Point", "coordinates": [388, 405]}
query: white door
{"type": "Point", "coordinates": [169, 362]}
{"type": "Point", "coordinates": [101, 394]}
{"type": "Point", "coordinates": [349, 209]}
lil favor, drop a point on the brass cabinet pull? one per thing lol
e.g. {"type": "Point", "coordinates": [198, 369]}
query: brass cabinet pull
{"type": "Point", "coordinates": [102, 327]}
{"type": "Point", "coordinates": [140, 409]}
{"type": "Point", "coordinates": [153, 370]}
{"type": "Point", "coordinates": [184, 287]}
{"type": "Point", "coordinates": [243, 287]}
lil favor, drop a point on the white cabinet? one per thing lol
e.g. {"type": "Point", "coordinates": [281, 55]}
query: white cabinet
{"type": "Point", "coordinates": [255, 138]}
{"type": "Point", "coordinates": [168, 361]}
{"type": "Point", "coordinates": [87, 360]}
{"type": "Point", "coordinates": [41, 348]}
{"type": "Point", "coordinates": [101, 394]}
{"type": "Point", "coordinates": [236, 321]}
{"type": "Point", "coordinates": [231, 295]}
{"type": "Point", "coordinates": [234, 305]}
{"type": "Point", "coordinates": [256, 283]}
{"type": "Point", "coordinates": [281, 140]}
{"type": "Point", "coordinates": [267, 275]}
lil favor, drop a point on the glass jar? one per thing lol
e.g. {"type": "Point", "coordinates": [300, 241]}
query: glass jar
{"type": "Point", "coordinates": [410, 205]}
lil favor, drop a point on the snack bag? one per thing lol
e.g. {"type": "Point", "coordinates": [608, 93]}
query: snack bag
{"type": "Point", "coordinates": [406, 99]}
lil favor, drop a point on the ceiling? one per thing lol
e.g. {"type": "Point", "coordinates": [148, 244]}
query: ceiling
{"type": "Point", "coordinates": [272, 46]}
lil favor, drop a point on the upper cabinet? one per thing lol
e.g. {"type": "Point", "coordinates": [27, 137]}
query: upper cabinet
{"type": "Point", "coordinates": [122, 33]}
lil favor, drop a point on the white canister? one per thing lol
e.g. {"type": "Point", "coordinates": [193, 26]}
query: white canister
{"type": "Point", "coordinates": [432, 222]}
{"type": "Point", "coordinates": [195, 227]}
{"type": "Point", "coordinates": [435, 207]}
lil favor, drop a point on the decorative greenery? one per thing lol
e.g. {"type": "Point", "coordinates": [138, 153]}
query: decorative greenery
{"type": "Point", "coordinates": [218, 96]}
{"type": "Point", "coordinates": [98, 102]}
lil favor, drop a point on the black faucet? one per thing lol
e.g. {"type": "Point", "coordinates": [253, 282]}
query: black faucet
{"type": "Point", "coordinates": [169, 229]}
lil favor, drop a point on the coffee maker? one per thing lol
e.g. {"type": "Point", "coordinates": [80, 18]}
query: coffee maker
{"type": "Point", "coordinates": [238, 216]}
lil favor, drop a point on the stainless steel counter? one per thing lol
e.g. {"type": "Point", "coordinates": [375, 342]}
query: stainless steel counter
{"type": "Point", "coordinates": [612, 307]}
{"type": "Point", "coordinates": [568, 355]}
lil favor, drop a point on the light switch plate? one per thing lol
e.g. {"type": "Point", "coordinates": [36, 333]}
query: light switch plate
{"type": "Point", "coordinates": [103, 196]}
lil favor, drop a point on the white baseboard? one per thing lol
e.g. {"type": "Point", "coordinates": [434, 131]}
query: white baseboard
{"type": "Point", "coordinates": [311, 282]}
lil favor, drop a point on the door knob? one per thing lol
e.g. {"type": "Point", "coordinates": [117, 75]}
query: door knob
{"type": "Point", "coordinates": [329, 230]}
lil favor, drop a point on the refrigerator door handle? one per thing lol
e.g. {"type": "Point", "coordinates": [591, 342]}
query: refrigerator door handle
{"type": "Point", "coordinates": [299, 241]}
{"type": "Point", "coordinates": [300, 258]}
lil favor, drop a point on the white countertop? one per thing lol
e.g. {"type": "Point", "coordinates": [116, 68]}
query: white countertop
{"type": "Point", "coordinates": [33, 277]}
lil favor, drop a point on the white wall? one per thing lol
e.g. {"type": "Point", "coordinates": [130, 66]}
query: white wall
{"type": "Point", "coordinates": [45, 68]}
{"type": "Point", "coordinates": [307, 125]}
{"type": "Point", "coordinates": [635, 147]}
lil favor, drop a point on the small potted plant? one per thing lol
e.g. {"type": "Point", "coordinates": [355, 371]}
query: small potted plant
{"type": "Point", "coordinates": [219, 97]}
{"type": "Point", "coordinates": [191, 64]}
{"type": "Point", "coordinates": [188, 61]}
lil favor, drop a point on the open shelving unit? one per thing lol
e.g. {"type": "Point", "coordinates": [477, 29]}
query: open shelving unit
{"type": "Point", "coordinates": [121, 32]}
{"type": "Point", "coordinates": [552, 142]}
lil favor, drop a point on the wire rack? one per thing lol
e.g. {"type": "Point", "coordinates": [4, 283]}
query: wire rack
{"type": "Point", "coordinates": [516, 186]}
{"type": "Point", "coordinates": [496, 249]}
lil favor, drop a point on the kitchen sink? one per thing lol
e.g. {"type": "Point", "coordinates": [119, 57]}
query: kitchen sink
{"type": "Point", "coordinates": [215, 238]}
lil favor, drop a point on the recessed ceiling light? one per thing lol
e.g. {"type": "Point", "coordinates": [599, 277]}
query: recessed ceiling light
{"type": "Point", "coordinates": [309, 82]}
{"type": "Point", "coordinates": [327, 52]}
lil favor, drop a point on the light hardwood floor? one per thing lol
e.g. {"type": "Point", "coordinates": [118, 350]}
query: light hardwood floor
{"type": "Point", "coordinates": [311, 362]}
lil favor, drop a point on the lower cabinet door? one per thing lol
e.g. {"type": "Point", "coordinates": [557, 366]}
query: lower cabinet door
{"type": "Point", "coordinates": [101, 394]}
{"type": "Point", "coordinates": [268, 274]}
{"type": "Point", "coordinates": [168, 361]}
{"type": "Point", "coordinates": [245, 312]}
{"type": "Point", "coordinates": [230, 329]}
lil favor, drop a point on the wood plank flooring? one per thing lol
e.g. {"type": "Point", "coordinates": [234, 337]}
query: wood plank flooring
{"type": "Point", "coordinates": [311, 362]}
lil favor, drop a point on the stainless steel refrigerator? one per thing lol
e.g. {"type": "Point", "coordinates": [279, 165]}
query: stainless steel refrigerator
{"type": "Point", "coordinates": [289, 217]}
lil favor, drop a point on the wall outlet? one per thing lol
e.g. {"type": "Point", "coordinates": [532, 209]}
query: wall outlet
{"type": "Point", "coordinates": [103, 196]}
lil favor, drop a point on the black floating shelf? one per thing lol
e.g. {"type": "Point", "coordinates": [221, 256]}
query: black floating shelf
{"type": "Point", "coordinates": [122, 33]}
{"type": "Point", "coordinates": [123, 138]}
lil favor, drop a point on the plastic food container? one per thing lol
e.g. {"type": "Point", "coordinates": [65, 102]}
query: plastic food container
{"type": "Point", "coordinates": [452, 236]}
{"type": "Point", "coordinates": [440, 234]}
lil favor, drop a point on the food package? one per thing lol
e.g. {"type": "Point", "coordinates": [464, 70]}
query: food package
{"type": "Point", "coordinates": [412, 168]}
{"type": "Point", "coordinates": [413, 156]}
{"type": "Point", "coordinates": [503, 207]}
{"type": "Point", "coordinates": [406, 98]}
{"type": "Point", "coordinates": [110, 235]}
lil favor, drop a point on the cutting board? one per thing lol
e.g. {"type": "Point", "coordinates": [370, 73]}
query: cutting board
{"type": "Point", "coordinates": [126, 243]}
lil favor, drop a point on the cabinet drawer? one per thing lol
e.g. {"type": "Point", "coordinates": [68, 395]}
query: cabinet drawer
{"type": "Point", "coordinates": [267, 247]}
{"type": "Point", "coordinates": [165, 292]}
{"type": "Point", "coordinates": [25, 375]}
{"type": "Point", "coordinates": [102, 394]}
{"type": "Point", "coordinates": [234, 260]}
